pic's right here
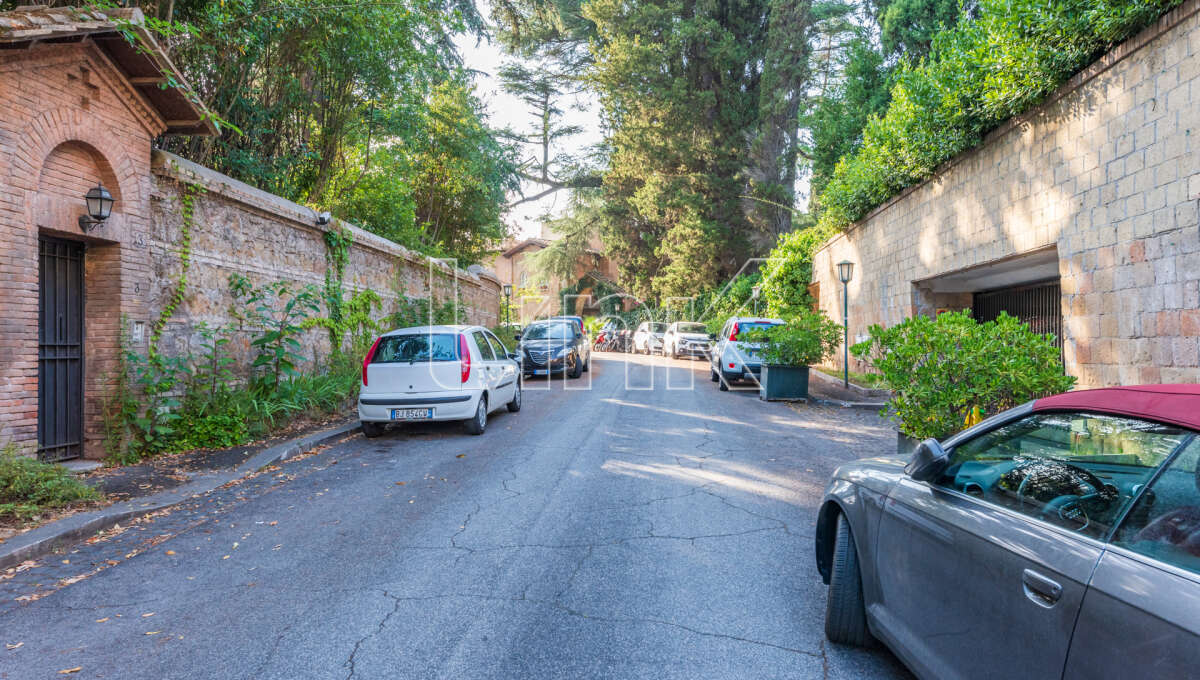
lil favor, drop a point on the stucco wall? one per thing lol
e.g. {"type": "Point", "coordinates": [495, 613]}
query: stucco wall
{"type": "Point", "coordinates": [1107, 173]}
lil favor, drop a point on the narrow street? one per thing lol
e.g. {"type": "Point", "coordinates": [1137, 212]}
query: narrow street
{"type": "Point", "coordinates": [621, 529]}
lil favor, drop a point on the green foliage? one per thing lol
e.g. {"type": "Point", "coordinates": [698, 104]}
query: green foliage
{"type": "Point", "coordinates": [157, 379]}
{"type": "Point", "coordinates": [506, 335]}
{"type": "Point", "coordinates": [941, 369]}
{"type": "Point", "coordinates": [277, 313]}
{"type": "Point", "coordinates": [788, 271]}
{"type": "Point", "coordinates": [418, 311]}
{"type": "Point", "coordinates": [187, 206]}
{"type": "Point", "coordinates": [805, 339]}
{"type": "Point", "coordinates": [29, 486]}
{"type": "Point", "coordinates": [978, 74]}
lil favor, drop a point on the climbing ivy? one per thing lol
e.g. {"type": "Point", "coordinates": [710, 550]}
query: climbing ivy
{"type": "Point", "coordinates": [337, 255]}
{"type": "Point", "coordinates": [187, 208]}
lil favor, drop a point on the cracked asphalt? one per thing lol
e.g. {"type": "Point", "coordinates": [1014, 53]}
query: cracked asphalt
{"type": "Point", "coordinates": [639, 525]}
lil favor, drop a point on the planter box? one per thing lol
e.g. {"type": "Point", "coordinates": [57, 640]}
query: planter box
{"type": "Point", "coordinates": [783, 383]}
{"type": "Point", "coordinates": [905, 444]}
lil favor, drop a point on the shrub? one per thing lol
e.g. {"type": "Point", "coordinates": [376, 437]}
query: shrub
{"type": "Point", "coordinates": [941, 370]}
{"type": "Point", "coordinates": [29, 486]}
{"type": "Point", "coordinates": [788, 271]}
{"type": "Point", "coordinates": [804, 340]}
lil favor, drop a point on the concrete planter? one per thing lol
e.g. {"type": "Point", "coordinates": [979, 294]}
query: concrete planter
{"type": "Point", "coordinates": [905, 444]}
{"type": "Point", "coordinates": [783, 383]}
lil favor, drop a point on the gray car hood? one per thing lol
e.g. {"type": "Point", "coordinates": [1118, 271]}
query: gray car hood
{"type": "Point", "coordinates": [878, 474]}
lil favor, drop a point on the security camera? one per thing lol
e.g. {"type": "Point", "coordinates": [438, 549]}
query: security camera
{"type": "Point", "coordinates": [323, 218]}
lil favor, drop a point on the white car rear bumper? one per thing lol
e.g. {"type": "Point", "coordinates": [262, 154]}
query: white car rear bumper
{"type": "Point", "coordinates": [457, 405]}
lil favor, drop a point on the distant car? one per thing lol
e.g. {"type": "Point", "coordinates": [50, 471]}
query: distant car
{"type": "Point", "coordinates": [648, 338]}
{"type": "Point", "coordinates": [578, 320]}
{"type": "Point", "coordinates": [437, 373]}
{"type": "Point", "coordinates": [734, 359]}
{"type": "Point", "coordinates": [686, 338]}
{"type": "Point", "coordinates": [554, 346]}
{"type": "Point", "coordinates": [1059, 539]}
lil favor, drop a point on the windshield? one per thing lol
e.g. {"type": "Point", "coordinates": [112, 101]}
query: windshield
{"type": "Point", "coordinates": [692, 328]}
{"type": "Point", "coordinates": [657, 328]}
{"type": "Point", "coordinates": [410, 348]}
{"type": "Point", "coordinates": [549, 331]}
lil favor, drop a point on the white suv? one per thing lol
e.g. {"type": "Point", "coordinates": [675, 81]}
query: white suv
{"type": "Point", "coordinates": [648, 338]}
{"type": "Point", "coordinates": [437, 373]}
{"type": "Point", "coordinates": [734, 359]}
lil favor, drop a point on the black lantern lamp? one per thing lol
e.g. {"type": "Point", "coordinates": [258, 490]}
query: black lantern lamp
{"type": "Point", "coordinates": [845, 273]}
{"type": "Point", "coordinates": [508, 304]}
{"type": "Point", "coordinates": [99, 207]}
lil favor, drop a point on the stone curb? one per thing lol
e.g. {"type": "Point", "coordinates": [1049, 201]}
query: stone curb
{"type": "Point", "coordinates": [70, 530]}
{"type": "Point", "coordinates": [871, 405]}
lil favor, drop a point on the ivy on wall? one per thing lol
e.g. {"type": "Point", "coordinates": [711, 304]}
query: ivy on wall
{"type": "Point", "coordinates": [187, 214]}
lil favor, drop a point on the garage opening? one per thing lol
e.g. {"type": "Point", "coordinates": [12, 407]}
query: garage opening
{"type": "Point", "coordinates": [1038, 305]}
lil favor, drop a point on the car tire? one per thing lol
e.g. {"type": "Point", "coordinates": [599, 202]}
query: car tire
{"type": "Point", "coordinates": [724, 386]}
{"type": "Point", "coordinates": [587, 365]}
{"type": "Point", "coordinates": [478, 424]}
{"type": "Point", "coordinates": [845, 612]}
{"type": "Point", "coordinates": [372, 430]}
{"type": "Point", "coordinates": [515, 404]}
{"type": "Point", "coordinates": [577, 370]}
{"type": "Point", "coordinates": [712, 375]}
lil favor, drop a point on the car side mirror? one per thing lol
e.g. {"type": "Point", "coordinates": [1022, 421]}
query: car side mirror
{"type": "Point", "coordinates": [928, 461]}
{"type": "Point", "coordinates": [517, 337]}
{"type": "Point", "coordinates": [514, 356]}
{"type": "Point", "coordinates": [712, 336]}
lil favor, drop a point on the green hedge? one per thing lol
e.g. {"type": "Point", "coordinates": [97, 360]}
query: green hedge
{"type": "Point", "coordinates": [979, 74]}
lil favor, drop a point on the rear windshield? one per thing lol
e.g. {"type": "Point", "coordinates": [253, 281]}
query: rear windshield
{"type": "Point", "coordinates": [421, 347]}
{"type": "Point", "coordinates": [657, 328]}
{"type": "Point", "coordinates": [692, 328]}
{"type": "Point", "coordinates": [744, 326]}
{"type": "Point", "coordinates": [549, 331]}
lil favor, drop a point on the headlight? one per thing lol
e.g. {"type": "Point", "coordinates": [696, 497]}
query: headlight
{"type": "Point", "coordinates": [562, 352]}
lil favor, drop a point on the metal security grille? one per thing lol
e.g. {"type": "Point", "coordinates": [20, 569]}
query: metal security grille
{"type": "Point", "coordinates": [60, 350]}
{"type": "Point", "coordinates": [1038, 304]}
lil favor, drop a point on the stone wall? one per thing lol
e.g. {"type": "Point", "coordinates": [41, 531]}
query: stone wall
{"type": "Point", "coordinates": [237, 229]}
{"type": "Point", "coordinates": [1105, 174]}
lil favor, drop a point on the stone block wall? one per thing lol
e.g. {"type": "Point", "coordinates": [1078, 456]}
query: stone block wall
{"type": "Point", "coordinates": [1107, 173]}
{"type": "Point", "coordinates": [237, 229]}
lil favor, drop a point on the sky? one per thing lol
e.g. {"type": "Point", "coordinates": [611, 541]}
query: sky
{"type": "Point", "coordinates": [505, 110]}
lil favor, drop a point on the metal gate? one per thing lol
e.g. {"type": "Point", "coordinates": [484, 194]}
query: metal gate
{"type": "Point", "coordinates": [60, 349]}
{"type": "Point", "coordinates": [1037, 304]}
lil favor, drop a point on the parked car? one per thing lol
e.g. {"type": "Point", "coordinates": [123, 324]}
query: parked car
{"type": "Point", "coordinates": [578, 320]}
{"type": "Point", "coordinates": [686, 338]}
{"type": "Point", "coordinates": [554, 346]}
{"type": "Point", "coordinates": [1059, 539]}
{"type": "Point", "coordinates": [437, 373]}
{"type": "Point", "coordinates": [648, 338]}
{"type": "Point", "coordinates": [734, 359]}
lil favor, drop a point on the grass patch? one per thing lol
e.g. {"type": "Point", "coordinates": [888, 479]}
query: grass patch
{"type": "Point", "coordinates": [29, 487]}
{"type": "Point", "coordinates": [871, 381]}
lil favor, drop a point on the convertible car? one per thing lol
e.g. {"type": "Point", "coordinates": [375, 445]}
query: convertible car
{"type": "Point", "coordinates": [1060, 539]}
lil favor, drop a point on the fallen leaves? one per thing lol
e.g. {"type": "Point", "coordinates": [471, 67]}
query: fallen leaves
{"type": "Point", "coordinates": [153, 632]}
{"type": "Point", "coordinates": [102, 620]}
{"type": "Point", "coordinates": [16, 646]}
{"type": "Point", "coordinates": [461, 455]}
{"type": "Point", "coordinates": [147, 614]}
{"type": "Point", "coordinates": [68, 671]}
{"type": "Point", "coordinates": [170, 552]}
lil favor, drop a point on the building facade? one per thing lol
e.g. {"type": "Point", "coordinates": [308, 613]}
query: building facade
{"type": "Point", "coordinates": [1079, 217]}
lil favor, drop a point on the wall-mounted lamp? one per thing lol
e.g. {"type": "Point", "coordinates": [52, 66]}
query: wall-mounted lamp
{"type": "Point", "coordinates": [99, 207]}
{"type": "Point", "coordinates": [324, 218]}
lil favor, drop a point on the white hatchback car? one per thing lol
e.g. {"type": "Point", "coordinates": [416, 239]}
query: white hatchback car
{"type": "Point", "coordinates": [437, 373]}
{"type": "Point", "coordinates": [648, 338]}
{"type": "Point", "coordinates": [734, 359]}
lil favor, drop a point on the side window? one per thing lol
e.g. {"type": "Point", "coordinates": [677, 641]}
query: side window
{"type": "Point", "coordinates": [498, 347]}
{"type": "Point", "coordinates": [1165, 523]}
{"type": "Point", "coordinates": [1077, 470]}
{"type": "Point", "coordinates": [485, 350]}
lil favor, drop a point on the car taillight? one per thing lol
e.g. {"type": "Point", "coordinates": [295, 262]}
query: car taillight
{"type": "Point", "coordinates": [464, 357]}
{"type": "Point", "coordinates": [731, 365]}
{"type": "Point", "coordinates": [367, 359]}
{"type": "Point", "coordinates": [733, 334]}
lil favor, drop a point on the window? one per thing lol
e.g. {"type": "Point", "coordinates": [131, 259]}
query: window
{"type": "Point", "coordinates": [692, 328]}
{"type": "Point", "coordinates": [524, 279]}
{"type": "Point", "coordinates": [549, 331]}
{"type": "Point", "coordinates": [485, 350]}
{"type": "Point", "coordinates": [498, 347]}
{"type": "Point", "coordinates": [395, 349]}
{"type": "Point", "coordinates": [657, 328]}
{"type": "Point", "coordinates": [1165, 523]}
{"type": "Point", "coordinates": [1076, 470]}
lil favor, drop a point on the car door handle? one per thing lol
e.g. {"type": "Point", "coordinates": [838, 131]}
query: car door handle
{"type": "Point", "coordinates": [1040, 590]}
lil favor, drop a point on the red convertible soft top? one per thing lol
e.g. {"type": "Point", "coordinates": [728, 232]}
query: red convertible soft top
{"type": "Point", "coordinates": [1175, 404]}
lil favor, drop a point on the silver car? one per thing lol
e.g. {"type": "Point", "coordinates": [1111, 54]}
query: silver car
{"type": "Point", "coordinates": [686, 338]}
{"type": "Point", "coordinates": [1060, 539]}
{"type": "Point", "coordinates": [733, 358]}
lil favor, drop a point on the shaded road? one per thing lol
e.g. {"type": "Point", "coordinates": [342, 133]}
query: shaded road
{"type": "Point", "coordinates": [623, 530]}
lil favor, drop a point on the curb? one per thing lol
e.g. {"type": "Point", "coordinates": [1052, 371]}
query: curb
{"type": "Point", "coordinates": [69, 530]}
{"type": "Point", "coordinates": [866, 405]}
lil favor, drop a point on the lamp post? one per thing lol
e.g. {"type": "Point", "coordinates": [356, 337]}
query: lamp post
{"type": "Point", "coordinates": [754, 296]}
{"type": "Point", "coordinates": [845, 273]}
{"type": "Point", "coordinates": [508, 304]}
{"type": "Point", "coordinates": [99, 206]}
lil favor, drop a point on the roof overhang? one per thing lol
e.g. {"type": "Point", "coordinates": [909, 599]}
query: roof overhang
{"type": "Point", "coordinates": [122, 36]}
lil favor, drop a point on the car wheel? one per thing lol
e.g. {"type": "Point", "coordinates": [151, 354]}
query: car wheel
{"type": "Point", "coordinates": [515, 404]}
{"type": "Point", "coordinates": [371, 430]}
{"type": "Point", "coordinates": [712, 375]}
{"type": "Point", "coordinates": [577, 369]}
{"type": "Point", "coordinates": [478, 424]}
{"type": "Point", "coordinates": [845, 613]}
{"type": "Point", "coordinates": [587, 365]}
{"type": "Point", "coordinates": [724, 386]}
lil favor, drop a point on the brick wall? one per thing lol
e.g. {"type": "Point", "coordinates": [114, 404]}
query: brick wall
{"type": "Point", "coordinates": [1106, 172]}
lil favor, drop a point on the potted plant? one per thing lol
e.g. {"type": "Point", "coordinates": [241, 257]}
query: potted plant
{"type": "Point", "coordinates": [789, 349]}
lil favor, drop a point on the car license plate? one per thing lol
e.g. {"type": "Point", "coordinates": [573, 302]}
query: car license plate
{"type": "Point", "coordinates": [412, 413]}
{"type": "Point", "coordinates": [541, 371]}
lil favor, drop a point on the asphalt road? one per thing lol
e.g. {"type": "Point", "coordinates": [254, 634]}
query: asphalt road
{"type": "Point", "coordinates": [617, 529]}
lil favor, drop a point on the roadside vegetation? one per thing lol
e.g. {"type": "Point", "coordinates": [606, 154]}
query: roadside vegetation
{"type": "Point", "coordinates": [29, 487]}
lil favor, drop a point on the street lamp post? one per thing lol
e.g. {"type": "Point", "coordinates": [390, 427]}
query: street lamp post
{"type": "Point", "coordinates": [754, 296]}
{"type": "Point", "coordinates": [508, 304]}
{"type": "Point", "coordinates": [845, 273]}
